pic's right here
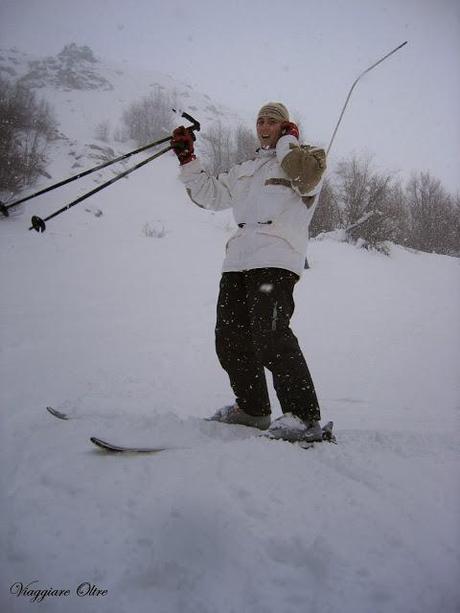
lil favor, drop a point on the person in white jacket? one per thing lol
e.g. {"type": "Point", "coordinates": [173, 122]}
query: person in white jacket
{"type": "Point", "coordinates": [273, 198]}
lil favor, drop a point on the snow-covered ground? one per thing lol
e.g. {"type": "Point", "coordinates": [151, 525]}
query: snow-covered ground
{"type": "Point", "coordinates": [110, 319]}
{"type": "Point", "coordinates": [116, 328]}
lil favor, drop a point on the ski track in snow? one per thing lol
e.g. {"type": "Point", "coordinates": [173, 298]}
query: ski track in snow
{"type": "Point", "coordinates": [116, 329]}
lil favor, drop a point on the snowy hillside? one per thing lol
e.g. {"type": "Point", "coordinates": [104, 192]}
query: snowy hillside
{"type": "Point", "coordinates": [84, 91]}
{"type": "Point", "coordinates": [110, 319]}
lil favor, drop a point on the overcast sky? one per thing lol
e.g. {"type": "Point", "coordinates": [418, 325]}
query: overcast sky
{"type": "Point", "coordinates": [242, 53]}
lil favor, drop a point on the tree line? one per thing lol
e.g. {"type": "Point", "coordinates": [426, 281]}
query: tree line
{"type": "Point", "coordinates": [373, 208]}
{"type": "Point", "coordinates": [369, 207]}
{"type": "Point", "coordinates": [27, 127]}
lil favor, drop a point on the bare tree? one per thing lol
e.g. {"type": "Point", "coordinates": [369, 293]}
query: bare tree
{"type": "Point", "coordinates": [150, 118]}
{"type": "Point", "coordinates": [222, 147]}
{"type": "Point", "coordinates": [456, 226]}
{"type": "Point", "coordinates": [434, 215]}
{"type": "Point", "coordinates": [27, 125]}
{"type": "Point", "coordinates": [370, 210]}
{"type": "Point", "coordinates": [245, 144]}
{"type": "Point", "coordinates": [217, 148]}
{"type": "Point", "coordinates": [327, 215]}
{"type": "Point", "coordinates": [102, 131]}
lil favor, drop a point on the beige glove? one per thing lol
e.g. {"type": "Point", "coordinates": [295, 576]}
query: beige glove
{"type": "Point", "coordinates": [304, 166]}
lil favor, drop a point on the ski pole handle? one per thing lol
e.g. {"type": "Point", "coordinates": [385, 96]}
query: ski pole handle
{"type": "Point", "coordinates": [196, 124]}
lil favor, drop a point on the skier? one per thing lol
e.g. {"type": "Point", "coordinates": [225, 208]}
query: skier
{"type": "Point", "coordinates": [273, 198]}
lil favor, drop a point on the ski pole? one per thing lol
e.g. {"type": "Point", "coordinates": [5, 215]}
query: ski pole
{"type": "Point", "coordinates": [4, 208]}
{"type": "Point", "coordinates": [353, 86]}
{"type": "Point", "coordinates": [38, 223]}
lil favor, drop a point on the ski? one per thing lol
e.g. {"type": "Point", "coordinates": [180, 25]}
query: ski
{"type": "Point", "coordinates": [114, 448]}
{"type": "Point", "coordinates": [104, 444]}
{"type": "Point", "coordinates": [58, 414]}
{"type": "Point", "coordinates": [328, 436]}
{"type": "Point", "coordinates": [110, 447]}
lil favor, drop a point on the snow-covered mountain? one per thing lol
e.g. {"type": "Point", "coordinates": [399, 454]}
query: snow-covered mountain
{"type": "Point", "coordinates": [110, 319]}
{"type": "Point", "coordinates": [84, 91]}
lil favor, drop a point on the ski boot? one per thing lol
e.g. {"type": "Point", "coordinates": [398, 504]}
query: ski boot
{"type": "Point", "coordinates": [291, 428]}
{"type": "Point", "coordinates": [232, 414]}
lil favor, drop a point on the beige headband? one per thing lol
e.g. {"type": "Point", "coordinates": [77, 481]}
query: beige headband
{"type": "Point", "coordinates": [274, 110]}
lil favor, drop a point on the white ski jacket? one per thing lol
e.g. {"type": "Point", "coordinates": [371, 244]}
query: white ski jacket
{"type": "Point", "coordinates": [273, 198]}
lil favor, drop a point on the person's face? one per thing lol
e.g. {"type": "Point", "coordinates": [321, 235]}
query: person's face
{"type": "Point", "coordinates": [268, 131]}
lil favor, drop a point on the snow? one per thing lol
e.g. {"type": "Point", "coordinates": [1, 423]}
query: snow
{"type": "Point", "coordinates": [115, 328]}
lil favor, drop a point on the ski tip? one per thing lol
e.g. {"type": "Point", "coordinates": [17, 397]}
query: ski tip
{"type": "Point", "coordinates": [110, 447]}
{"type": "Point", "coordinates": [327, 433]}
{"type": "Point", "coordinates": [104, 445]}
{"type": "Point", "coordinates": [57, 413]}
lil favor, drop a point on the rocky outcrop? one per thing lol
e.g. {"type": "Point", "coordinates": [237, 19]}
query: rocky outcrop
{"type": "Point", "coordinates": [74, 68]}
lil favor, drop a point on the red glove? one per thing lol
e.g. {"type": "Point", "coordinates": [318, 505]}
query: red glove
{"type": "Point", "coordinates": [182, 143]}
{"type": "Point", "coordinates": [288, 127]}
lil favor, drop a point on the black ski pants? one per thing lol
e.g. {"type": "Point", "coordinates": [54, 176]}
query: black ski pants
{"type": "Point", "coordinates": [254, 310]}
